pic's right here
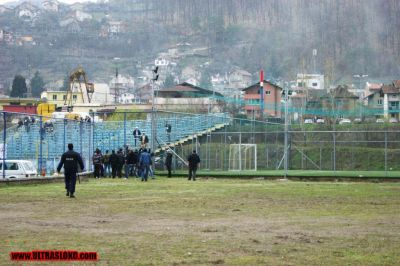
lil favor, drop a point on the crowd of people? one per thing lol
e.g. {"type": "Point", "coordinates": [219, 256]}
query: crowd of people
{"type": "Point", "coordinates": [124, 163]}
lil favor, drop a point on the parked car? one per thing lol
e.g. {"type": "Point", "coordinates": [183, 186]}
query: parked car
{"type": "Point", "coordinates": [308, 121]}
{"type": "Point", "coordinates": [344, 121]}
{"type": "Point", "coordinates": [320, 121]}
{"type": "Point", "coordinates": [393, 120]}
{"type": "Point", "coordinates": [357, 120]}
{"type": "Point", "coordinates": [17, 169]}
{"type": "Point", "coordinates": [380, 120]}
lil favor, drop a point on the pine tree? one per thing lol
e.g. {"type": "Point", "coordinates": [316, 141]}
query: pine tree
{"type": "Point", "coordinates": [18, 87]}
{"type": "Point", "coordinates": [37, 84]}
{"type": "Point", "coordinates": [169, 81]}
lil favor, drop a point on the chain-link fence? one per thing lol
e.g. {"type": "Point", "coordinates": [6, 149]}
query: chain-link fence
{"type": "Point", "coordinates": [42, 140]}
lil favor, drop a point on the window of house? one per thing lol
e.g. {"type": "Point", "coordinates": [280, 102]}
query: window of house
{"type": "Point", "coordinates": [300, 84]}
{"type": "Point", "coordinates": [379, 101]}
{"type": "Point", "coordinates": [253, 102]}
{"type": "Point", "coordinates": [268, 92]}
{"type": "Point", "coordinates": [64, 97]}
{"type": "Point", "coordinates": [55, 97]}
{"type": "Point", "coordinates": [314, 84]}
{"type": "Point", "coordinates": [74, 97]}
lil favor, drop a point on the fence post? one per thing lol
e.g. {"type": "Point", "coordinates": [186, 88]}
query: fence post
{"type": "Point", "coordinates": [125, 130]}
{"type": "Point", "coordinates": [240, 151]}
{"type": "Point", "coordinates": [65, 133]}
{"type": "Point", "coordinates": [334, 152]}
{"type": "Point", "coordinates": [80, 137]}
{"type": "Point", "coordinates": [4, 141]}
{"type": "Point", "coordinates": [40, 162]}
{"type": "Point", "coordinates": [386, 153]}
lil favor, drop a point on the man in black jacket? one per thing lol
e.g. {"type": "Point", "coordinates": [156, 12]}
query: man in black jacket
{"type": "Point", "coordinates": [168, 162]}
{"type": "Point", "coordinates": [71, 160]}
{"type": "Point", "coordinates": [114, 163]}
{"type": "Point", "coordinates": [193, 160]}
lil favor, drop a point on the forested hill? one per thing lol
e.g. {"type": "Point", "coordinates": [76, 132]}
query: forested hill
{"type": "Point", "coordinates": [350, 36]}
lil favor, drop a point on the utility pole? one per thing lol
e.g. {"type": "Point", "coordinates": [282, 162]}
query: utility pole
{"type": "Point", "coordinates": [314, 53]}
{"type": "Point", "coordinates": [360, 93]}
{"type": "Point", "coordinates": [286, 130]}
{"type": "Point", "coordinates": [116, 85]}
{"type": "Point", "coordinates": [153, 110]}
{"type": "Point", "coordinates": [262, 95]}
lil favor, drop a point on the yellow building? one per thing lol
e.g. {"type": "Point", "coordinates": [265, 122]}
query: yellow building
{"type": "Point", "coordinates": [59, 97]}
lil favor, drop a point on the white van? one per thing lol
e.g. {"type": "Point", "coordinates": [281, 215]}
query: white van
{"type": "Point", "coordinates": [17, 169]}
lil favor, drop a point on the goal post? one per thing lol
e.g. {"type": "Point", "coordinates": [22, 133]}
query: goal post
{"type": "Point", "coordinates": [242, 157]}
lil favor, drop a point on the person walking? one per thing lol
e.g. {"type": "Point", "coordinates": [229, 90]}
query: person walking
{"type": "Point", "coordinates": [70, 160]}
{"type": "Point", "coordinates": [97, 163]}
{"type": "Point", "coordinates": [194, 161]}
{"type": "Point", "coordinates": [113, 163]}
{"type": "Point", "coordinates": [168, 162]}
{"type": "Point", "coordinates": [136, 135]}
{"type": "Point", "coordinates": [144, 162]}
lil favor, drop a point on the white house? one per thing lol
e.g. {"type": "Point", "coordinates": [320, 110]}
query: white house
{"type": "Point", "coordinates": [4, 9]}
{"type": "Point", "coordinates": [161, 62]}
{"type": "Point", "coordinates": [26, 11]}
{"type": "Point", "coordinates": [126, 98]}
{"type": "Point", "coordinates": [50, 5]}
{"type": "Point", "coordinates": [312, 81]}
{"type": "Point", "coordinates": [239, 79]}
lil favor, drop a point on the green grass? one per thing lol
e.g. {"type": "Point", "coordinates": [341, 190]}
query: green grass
{"type": "Point", "coordinates": [366, 175]}
{"type": "Point", "coordinates": [207, 222]}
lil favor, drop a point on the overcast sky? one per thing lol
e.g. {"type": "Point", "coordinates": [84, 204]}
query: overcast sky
{"type": "Point", "coordinates": [64, 1]}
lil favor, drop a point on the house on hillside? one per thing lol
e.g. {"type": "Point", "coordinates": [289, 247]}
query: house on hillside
{"type": "Point", "coordinates": [6, 36]}
{"type": "Point", "coordinates": [25, 40]}
{"type": "Point", "coordinates": [271, 100]}
{"type": "Point", "coordinates": [50, 5]}
{"type": "Point", "coordinates": [386, 100]}
{"type": "Point", "coordinates": [4, 9]}
{"type": "Point", "coordinates": [239, 79]}
{"type": "Point", "coordinates": [341, 103]}
{"type": "Point", "coordinates": [70, 25]}
{"type": "Point", "coordinates": [311, 81]}
{"type": "Point", "coordinates": [143, 94]}
{"type": "Point", "coordinates": [26, 11]}
{"type": "Point", "coordinates": [113, 28]}
{"type": "Point", "coordinates": [307, 104]}
{"type": "Point", "coordinates": [187, 96]}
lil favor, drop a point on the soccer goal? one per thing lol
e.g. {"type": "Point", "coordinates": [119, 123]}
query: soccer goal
{"type": "Point", "coordinates": [242, 157]}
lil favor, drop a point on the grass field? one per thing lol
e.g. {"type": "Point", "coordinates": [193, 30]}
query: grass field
{"type": "Point", "coordinates": [207, 222]}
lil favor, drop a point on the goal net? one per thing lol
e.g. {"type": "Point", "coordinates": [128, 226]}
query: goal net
{"type": "Point", "coordinates": [242, 157]}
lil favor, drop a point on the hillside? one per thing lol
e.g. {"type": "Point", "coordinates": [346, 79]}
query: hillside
{"type": "Point", "coordinates": [350, 36]}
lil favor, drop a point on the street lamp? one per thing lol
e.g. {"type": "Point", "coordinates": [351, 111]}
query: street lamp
{"type": "Point", "coordinates": [116, 88]}
{"type": "Point", "coordinates": [360, 94]}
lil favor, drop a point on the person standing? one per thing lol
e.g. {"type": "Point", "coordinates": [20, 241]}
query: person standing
{"type": "Point", "coordinates": [168, 162]}
{"type": "Point", "coordinates": [131, 160]}
{"type": "Point", "coordinates": [144, 162]}
{"type": "Point", "coordinates": [194, 161]}
{"type": "Point", "coordinates": [106, 162]}
{"type": "Point", "coordinates": [168, 129]}
{"type": "Point", "coordinates": [113, 163]}
{"type": "Point", "coordinates": [121, 162]}
{"type": "Point", "coordinates": [136, 135]}
{"type": "Point", "coordinates": [71, 160]}
{"type": "Point", "coordinates": [97, 163]}
{"type": "Point", "coordinates": [144, 140]}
